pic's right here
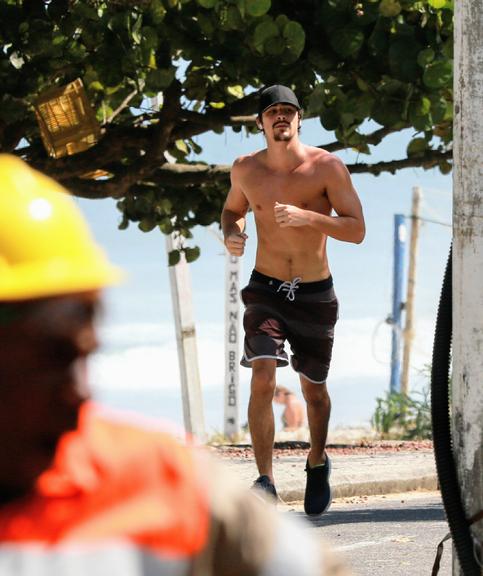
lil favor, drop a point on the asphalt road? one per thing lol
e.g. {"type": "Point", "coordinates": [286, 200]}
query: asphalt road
{"type": "Point", "coordinates": [394, 535]}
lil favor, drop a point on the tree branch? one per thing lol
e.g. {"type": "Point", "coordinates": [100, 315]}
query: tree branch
{"type": "Point", "coordinates": [430, 159]}
{"type": "Point", "coordinates": [180, 175]}
{"type": "Point", "coordinates": [374, 138]}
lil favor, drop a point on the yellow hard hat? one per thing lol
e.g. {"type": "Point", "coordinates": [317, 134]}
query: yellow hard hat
{"type": "Point", "coordinates": [46, 248]}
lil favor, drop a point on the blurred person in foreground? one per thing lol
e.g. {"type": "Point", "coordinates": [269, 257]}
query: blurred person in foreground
{"type": "Point", "coordinates": [84, 491]}
{"type": "Point", "coordinates": [293, 190]}
{"type": "Point", "coordinates": [293, 415]}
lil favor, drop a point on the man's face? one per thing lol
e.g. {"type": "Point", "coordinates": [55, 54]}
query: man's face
{"type": "Point", "coordinates": [43, 384]}
{"type": "Point", "coordinates": [281, 121]}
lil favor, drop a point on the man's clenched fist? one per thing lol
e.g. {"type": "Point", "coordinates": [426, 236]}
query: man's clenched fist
{"type": "Point", "coordinates": [235, 243]}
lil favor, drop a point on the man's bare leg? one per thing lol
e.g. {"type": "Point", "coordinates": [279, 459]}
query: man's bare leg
{"type": "Point", "coordinates": [260, 414]}
{"type": "Point", "coordinates": [318, 414]}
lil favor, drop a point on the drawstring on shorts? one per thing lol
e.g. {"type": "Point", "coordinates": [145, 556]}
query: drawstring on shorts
{"type": "Point", "coordinates": [290, 288]}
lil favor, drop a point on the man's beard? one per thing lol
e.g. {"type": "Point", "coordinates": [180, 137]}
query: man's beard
{"type": "Point", "coordinates": [283, 136]}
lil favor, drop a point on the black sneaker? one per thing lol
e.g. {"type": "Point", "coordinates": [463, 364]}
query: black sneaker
{"type": "Point", "coordinates": [264, 484]}
{"type": "Point", "coordinates": [318, 495]}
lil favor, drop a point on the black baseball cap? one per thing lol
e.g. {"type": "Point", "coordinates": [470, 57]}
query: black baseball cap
{"type": "Point", "coordinates": [276, 94]}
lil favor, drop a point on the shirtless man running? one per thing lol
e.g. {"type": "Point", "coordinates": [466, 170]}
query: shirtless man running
{"type": "Point", "coordinates": [292, 190]}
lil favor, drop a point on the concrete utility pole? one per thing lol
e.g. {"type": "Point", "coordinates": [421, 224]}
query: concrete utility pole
{"type": "Point", "coordinates": [467, 397]}
{"type": "Point", "coordinates": [408, 334]}
{"type": "Point", "coordinates": [180, 282]}
{"type": "Point", "coordinates": [232, 345]}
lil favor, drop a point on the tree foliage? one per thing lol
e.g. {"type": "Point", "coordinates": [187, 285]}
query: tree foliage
{"type": "Point", "coordinates": [205, 60]}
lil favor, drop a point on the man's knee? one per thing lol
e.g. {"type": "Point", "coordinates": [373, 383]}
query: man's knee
{"type": "Point", "coordinates": [263, 377]}
{"type": "Point", "coordinates": [315, 393]}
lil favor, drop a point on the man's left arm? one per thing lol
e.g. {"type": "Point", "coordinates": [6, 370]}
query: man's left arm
{"type": "Point", "coordinates": [348, 225]}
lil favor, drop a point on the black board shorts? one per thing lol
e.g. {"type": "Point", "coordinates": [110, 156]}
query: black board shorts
{"type": "Point", "coordinates": [303, 313]}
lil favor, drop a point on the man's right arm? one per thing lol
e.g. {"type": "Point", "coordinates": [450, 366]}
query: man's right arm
{"type": "Point", "coordinates": [233, 215]}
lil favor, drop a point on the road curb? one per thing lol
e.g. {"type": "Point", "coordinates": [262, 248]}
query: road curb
{"type": "Point", "coordinates": [372, 488]}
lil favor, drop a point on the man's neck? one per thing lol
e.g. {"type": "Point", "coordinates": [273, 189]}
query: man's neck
{"type": "Point", "coordinates": [285, 155]}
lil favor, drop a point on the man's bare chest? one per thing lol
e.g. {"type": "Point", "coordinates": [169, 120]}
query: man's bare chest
{"type": "Point", "coordinates": [302, 190]}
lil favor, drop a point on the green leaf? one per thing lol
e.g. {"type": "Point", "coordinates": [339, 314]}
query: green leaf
{"type": "Point", "coordinates": [361, 105]}
{"type": "Point", "coordinates": [236, 91]}
{"type": "Point", "coordinates": [158, 80]}
{"type": "Point", "coordinates": [197, 149]}
{"type": "Point", "coordinates": [438, 74]}
{"type": "Point", "coordinates": [157, 11]}
{"type": "Point", "coordinates": [181, 146]}
{"type": "Point", "coordinates": [347, 41]}
{"type": "Point", "coordinates": [103, 113]}
{"type": "Point", "coordinates": [294, 34]}
{"type": "Point", "coordinates": [403, 54]}
{"type": "Point", "coordinates": [163, 206]}
{"type": "Point", "coordinates": [136, 29]}
{"type": "Point", "coordinates": [147, 224]}
{"type": "Point", "coordinates": [124, 223]}
{"type": "Point", "coordinates": [340, 5]}
{"type": "Point", "coordinates": [437, 4]}
{"type": "Point", "coordinates": [233, 19]}
{"type": "Point", "coordinates": [316, 100]}
{"type": "Point", "coordinates": [388, 111]}
{"type": "Point", "coordinates": [329, 118]}
{"type": "Point", "coordinates": [281, 21]}
{"type": "Point", "coordinates": [448, 48]}
{"type": "Point", "coordinates": [174, 257]}
{"type": "Point", "coordinates": [264, 31]}
{"type": "Point", "coordinates": [96, 86]}
{"type": "Point", "coordinates": [207, 3]}
{"type": "Point", "coordinates": [206, 24]}
{"type": "Point", "coordinates": [149, 38]}
{"type": "Point", "coordinates": [362, 84]}
{"type": "Point", "coordinates": [417, 147]}
{"type": "Point", "coordinates": [275, 46]}
{"type": "Point", "coordinates": [439, 105]}
{"type": "Point", "coordinates": [191, 254]}
{"type": "Point", "coordinates": [420, 113]}
{"type": "Point", "coordinates": [421, 107]}
{"type": "Point", "coordinates": [166, 226]}
{"type": "Point", "coordinates": [241, 7]}
{"type": "Point", "coordinates": [420, 121]}
{"type": "Point", "coordinates": [445, 167]}
{"type": "Point", "coordinates": [378, 40]}
{"type": "Point", "coordinates": [84, 11]}
{"type": "Point", "coordinates": [425, 57]}
{"type": "Point", "coordinates": [389, 8]}
{"type": "Point", "coordinates": [321, 61]}
{"type": "Point", "coordinates": [257, 8]}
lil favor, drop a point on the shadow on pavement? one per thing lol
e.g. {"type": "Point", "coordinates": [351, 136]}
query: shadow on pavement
{"type": "Point", "coordinates": [428, 513]}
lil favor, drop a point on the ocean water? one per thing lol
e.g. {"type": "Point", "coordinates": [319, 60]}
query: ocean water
{"type": "Point", "coordinates": [136, 369]}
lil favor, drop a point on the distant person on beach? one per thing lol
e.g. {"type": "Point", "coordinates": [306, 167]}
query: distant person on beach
{"type": "Point", "coordinates": [292, 190]}
{"type": "Point", "coordinates": [83, 490]}
{"type": "Point", "coordinates": [293, 416]}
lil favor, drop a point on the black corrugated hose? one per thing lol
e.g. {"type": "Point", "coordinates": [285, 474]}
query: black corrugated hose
{"type": "Point", "coordinates": [441, 423]}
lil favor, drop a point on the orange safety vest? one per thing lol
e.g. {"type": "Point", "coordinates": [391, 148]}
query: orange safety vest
{"type": "Point", "coordinates": [113, 482]}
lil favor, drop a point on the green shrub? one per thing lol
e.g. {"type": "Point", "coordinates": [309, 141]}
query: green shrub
{"type": "Point", "coordinates": [400, 416]}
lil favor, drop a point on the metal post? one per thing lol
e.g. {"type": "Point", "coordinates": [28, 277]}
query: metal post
{"type": "Point", "coordinates": [467, 399]}
{"type": "Point", "coordinates": [186, 340]}
{"type": "Point", "coordinates": [232, 345]}
{"type": "Point", "coordinates": [398, 274]}
{"type": "Point", "coordinates": [408, 333]}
